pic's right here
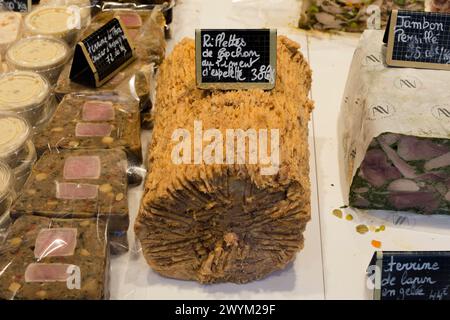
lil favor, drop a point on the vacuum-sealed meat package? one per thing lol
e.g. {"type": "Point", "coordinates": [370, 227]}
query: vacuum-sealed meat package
{"type": "Point", "coordinates": [396, 134]}
{"type": "Point", "coordinates": [145, 29]}
{"type": "Point", "coordinates": [82, 7]}
{"type": "Point", "coordinates": [54, 259]}
{"type": "Point", "coordinates": [94, 121]}
{"type": "Point", "coordinates": [164, 6]}
{"type": "Point", "coordinates": [79, 184]}
{"type": "Point", "coordinates": [134, 81]}
{"type": "Point", "coordinates": [351, 15]}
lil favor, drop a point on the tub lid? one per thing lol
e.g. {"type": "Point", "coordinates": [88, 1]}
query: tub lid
{"type": "Point", "coordinates": [6, 179]}
{"type": "Point", "coordinates": [38, 52]}
{"type": "Point", "coordinates": [51, 20]}
{"type": "Point", "coordinates": [14, 132]}
{"type": "Point", "coordinates": [22, 90]}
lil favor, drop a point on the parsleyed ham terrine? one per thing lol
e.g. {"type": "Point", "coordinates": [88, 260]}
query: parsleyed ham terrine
{"type": "Point", "coordinates": [395, 131]}
{"type": "Point", "coordinates": [402, 172]}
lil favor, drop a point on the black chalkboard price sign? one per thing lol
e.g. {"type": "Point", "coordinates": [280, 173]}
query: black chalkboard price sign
{"type": "Point", "coordinates": [236, 58]}
{"type": "Point", "coordinates": [418, 40]}
{"type": "Point", "coordinates": [16, 5]}
{"type": "Point", "coordinates": [410, 275]}
{"type": "Point", "coordinates": [102, 54]}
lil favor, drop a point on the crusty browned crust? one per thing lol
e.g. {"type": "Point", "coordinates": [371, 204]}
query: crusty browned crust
{"type": "Point", "coordinates": [227, 223]}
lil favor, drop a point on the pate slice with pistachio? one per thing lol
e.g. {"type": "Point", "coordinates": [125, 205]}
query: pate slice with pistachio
{"type": "Point", "coordinates": [43, 258]}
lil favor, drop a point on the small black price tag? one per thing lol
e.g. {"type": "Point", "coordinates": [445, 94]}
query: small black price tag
{"type": "Point", "coordinates": [17, 5]}
{"type": "Point", "coordinates": [236, 58]}
{"type": "Point", "coordinates": [102, 54]}
{"type": "Point", "coordinates": [410, 275]}
{"type": "Point", "coordinates": [418, 40]}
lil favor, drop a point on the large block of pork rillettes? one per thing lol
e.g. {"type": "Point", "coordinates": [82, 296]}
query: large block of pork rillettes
{"type": "Point", "coordinates": [208, 215]}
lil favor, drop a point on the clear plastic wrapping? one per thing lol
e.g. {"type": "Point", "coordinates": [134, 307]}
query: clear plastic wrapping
{"type": "Point", "coordinates": [16, 148]}
{"type": "Point", "coordinates": [10, 29]}
{"type": "Point", "coordinates": [41, 54]}
{"type": "Point", "coordinates": [54, 259]}
{"type": "Point", "coordinates": [79, 184]}
{"type": "Point", "coordinates": [165, 6]}
{"type": "Point", "coordinates": [134, 81]}
{"type": "Point", "coordinates": [94, 121]}
{"type": "Point", "coordinates": [27, 94]}
{"type": "Point", "coordinates": [23, 170]}
{"type": "Point", "coordinates": [146, 30]}
{"type": "Point", "coordinates": [350, 16]}
{"type": "Point", "coordinates": [7, 193]}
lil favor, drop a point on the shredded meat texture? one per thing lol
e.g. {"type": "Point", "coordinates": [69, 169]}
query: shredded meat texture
{"type": "Point", "coordinates": [221, 222]}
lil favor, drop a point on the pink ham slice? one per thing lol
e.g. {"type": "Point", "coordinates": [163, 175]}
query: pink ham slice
{"type": "Point", "coordinates": [76, 191]}
{"type": "Point", "coordinates": [131, 20]}
{"type": "Point", "coordinates": [86, 129]}
{"type": "Point", "coordinates": [57, 242]}
{"type": "Point", "coordinates": [438, 162]}
{"type": "Point", "coordinates": [428, 201]}
{"type": "Point", "coordinates": [82, 167]}
{"type": "Point", "coordinates": [377, 170]}
{"type": "Point", "coordinates": [133, 33]}
{"type": "Point", "coordinates": [47, 272]}
{"type": "Point", "coordinates": [98, 111]}
{"type": "Point", "coordinates": [406, 170]}
{"type": "Point", "coordinates": [412, 149]}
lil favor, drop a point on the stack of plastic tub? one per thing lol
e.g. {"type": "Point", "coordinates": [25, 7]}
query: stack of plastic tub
{"type": "Point", "coordinates": [7, 193]}
{"type": "Point", "coordinates": [16, 148]}
{"type": "Point", "coordinates": [28, 95]}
